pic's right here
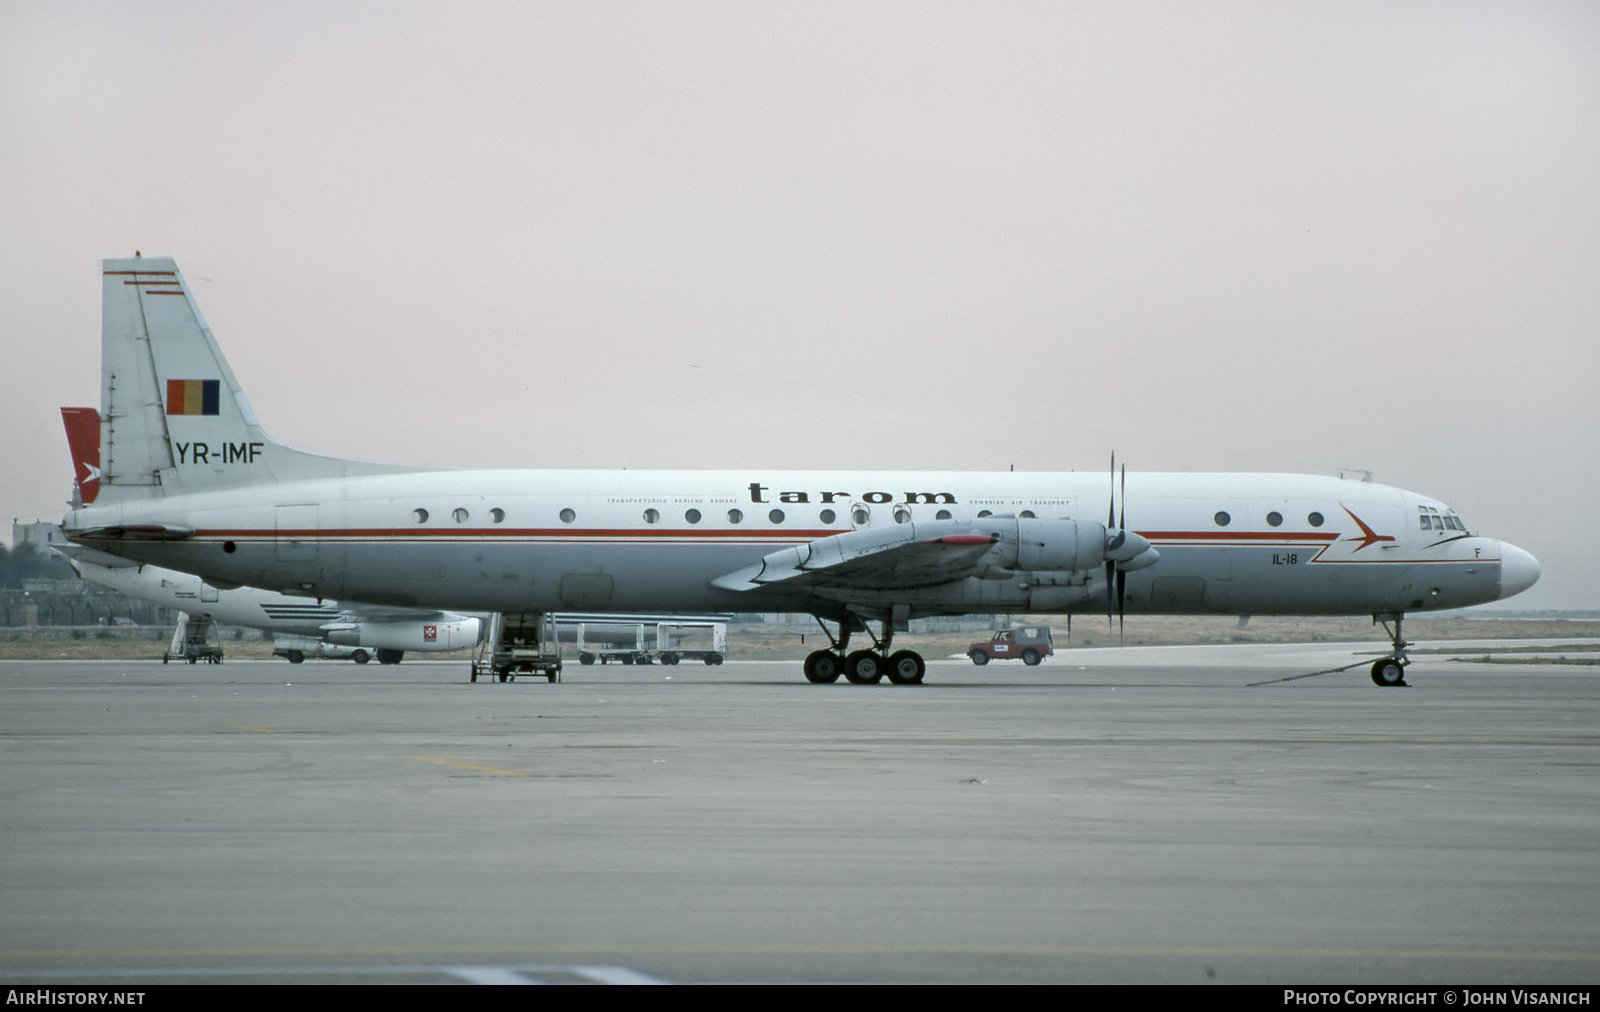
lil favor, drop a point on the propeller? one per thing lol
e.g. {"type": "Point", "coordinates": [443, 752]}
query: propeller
{"type": "Point", "coordinates": [1111, 520]}
{"type": "Point", "coordinates": [1116, 577]}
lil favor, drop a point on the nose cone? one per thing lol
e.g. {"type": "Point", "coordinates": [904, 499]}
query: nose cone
{"type": "Point", "coordinates": [1518, 570]}
{"type": "Point", "coordinates": [1122, 546]}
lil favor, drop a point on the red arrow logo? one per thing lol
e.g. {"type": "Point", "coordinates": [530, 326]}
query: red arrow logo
{"type": "Point", "coordinates": [1370, 536]}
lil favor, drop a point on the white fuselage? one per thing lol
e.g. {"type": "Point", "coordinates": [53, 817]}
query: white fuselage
{"type": "Point", "coordinates": [656, 540]}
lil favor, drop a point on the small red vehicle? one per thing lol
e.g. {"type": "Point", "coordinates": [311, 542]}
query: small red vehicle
{"type": "Point", "coordinates": [1029, 642]}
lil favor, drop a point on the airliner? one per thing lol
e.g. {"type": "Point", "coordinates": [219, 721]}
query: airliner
{"type": "Point", "coordinates": [190, 481]}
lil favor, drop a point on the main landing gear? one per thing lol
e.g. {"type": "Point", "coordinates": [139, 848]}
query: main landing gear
{"type": "Point", "coordinates": [863, 667]}
{"type": "Point", "coordinates": [1389, 672]}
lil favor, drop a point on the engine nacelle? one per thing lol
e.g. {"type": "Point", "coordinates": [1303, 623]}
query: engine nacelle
{"type": "Point", "coordinates": [1062, 545]}
{"type": "Point", "coordinates": [413, 634]}
{"type": "Point", "coordinates": [1059, 544]}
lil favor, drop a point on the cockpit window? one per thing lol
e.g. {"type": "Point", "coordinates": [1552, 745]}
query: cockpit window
{"type": "Point", "coordinates": [1429, 518]}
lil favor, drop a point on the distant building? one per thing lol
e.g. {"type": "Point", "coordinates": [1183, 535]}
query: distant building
{"type": "Point", "coordinates": [41, 534]}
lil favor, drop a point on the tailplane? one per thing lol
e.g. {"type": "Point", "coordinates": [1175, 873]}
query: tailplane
{"type": "Point", "coordinates": [173, 417]}
{"type": "Point", "coordinates": [83, 440]}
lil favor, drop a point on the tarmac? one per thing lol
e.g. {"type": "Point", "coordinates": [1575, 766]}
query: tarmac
{"type": "Point", "coordinates": [1154, 815]}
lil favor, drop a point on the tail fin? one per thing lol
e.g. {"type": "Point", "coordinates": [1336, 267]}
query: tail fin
{"type": "Point", "coordinates": [83, 440]}
{"type": "Point", "coordinates": [173, 416]}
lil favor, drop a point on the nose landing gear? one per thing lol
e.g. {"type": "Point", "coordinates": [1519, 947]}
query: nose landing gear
{"type": "Point", "coordinates": [1390, 672]}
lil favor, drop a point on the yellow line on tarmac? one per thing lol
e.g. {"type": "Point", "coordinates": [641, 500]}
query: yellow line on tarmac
{"type": "Point", "coordinates": [472, 766]}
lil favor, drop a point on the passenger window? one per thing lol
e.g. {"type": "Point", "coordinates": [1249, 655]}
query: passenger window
{"type": "Point", "coordinates": [497, 515]}
{"type": "Point", "coordinates": [1222, 518]}
{"type": "Point", "coordinates": [567, 516]}
{"type": "Point", "coordinates": [859, 516]}
{"type": "Point", "coordinates": [827, 516]}
{"type": "Point", "coordinates": [735, 516]}
{"type": "Point", "coordinates": [942, 515]}
{"type": "Point", "coordinates": [901, 515]}
{"type": "Point", "coordinates": [652, 516]}
{"type": "Point", "coordinates": [1314, 519]}
{"type": "Point", "coordinates": [421, 515]}
{"type": "Point", "coordinates": [460, 515]}
{"type": "Point", "coordinates": [693, 516]}
{"type": "Point", "coordinates": [1275, 519]}
{"type": "Point", "coordinates": [776, 516]}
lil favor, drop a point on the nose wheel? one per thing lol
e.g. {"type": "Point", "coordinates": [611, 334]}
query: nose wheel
{"type": "Point", "coordinates": [1390, 672]}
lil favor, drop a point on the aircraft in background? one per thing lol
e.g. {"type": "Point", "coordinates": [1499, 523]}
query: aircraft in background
{"type": "Point", "coordinates": [190, 481]}
{"type": "Point", "coordinates": [299, 625]}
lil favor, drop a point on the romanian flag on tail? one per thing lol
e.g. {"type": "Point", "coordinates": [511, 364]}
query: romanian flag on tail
{"type": "Point", "coordinates": [193, 397]}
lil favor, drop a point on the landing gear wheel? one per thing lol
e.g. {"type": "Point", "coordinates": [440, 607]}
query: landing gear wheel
{"type": "Point", "coordinates": [906, 667]}
{"type": "Point", "coordinates": [1030, 657]}
{"type": "Point", "coordinates": [864, 667]}
{"type": "Point", "coordinates": [1388, 673]}
{"type": "Point", "coordinates": [586, 658]}
{"type": "Point", "coordinates": [822, 667]}
{"type": "Point", "coordinates": [295, 657]}
{"type": "Point", "coordinates": [360, 657]}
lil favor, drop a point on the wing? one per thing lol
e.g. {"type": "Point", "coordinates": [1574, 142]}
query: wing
{"type": "Point", "coordinates": [902, 557]}
{"type": "Point", "coordinates": [914, 555]}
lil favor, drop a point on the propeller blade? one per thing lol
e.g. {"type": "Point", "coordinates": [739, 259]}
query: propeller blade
{"type": "Point", "coordinates": [1111, 519]}
{"type": "Point", "coordinates": [1111, 495]}
{"type": "Point", "coordinates": [1122, 600]}
{"type": "Point", "coordinates": [1121, 578]}
{"type": "Point", "coordinates": [1111, 584]}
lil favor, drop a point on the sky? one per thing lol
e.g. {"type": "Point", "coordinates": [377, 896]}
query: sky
{"type": "Point", "coordinates": [867, 235]}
